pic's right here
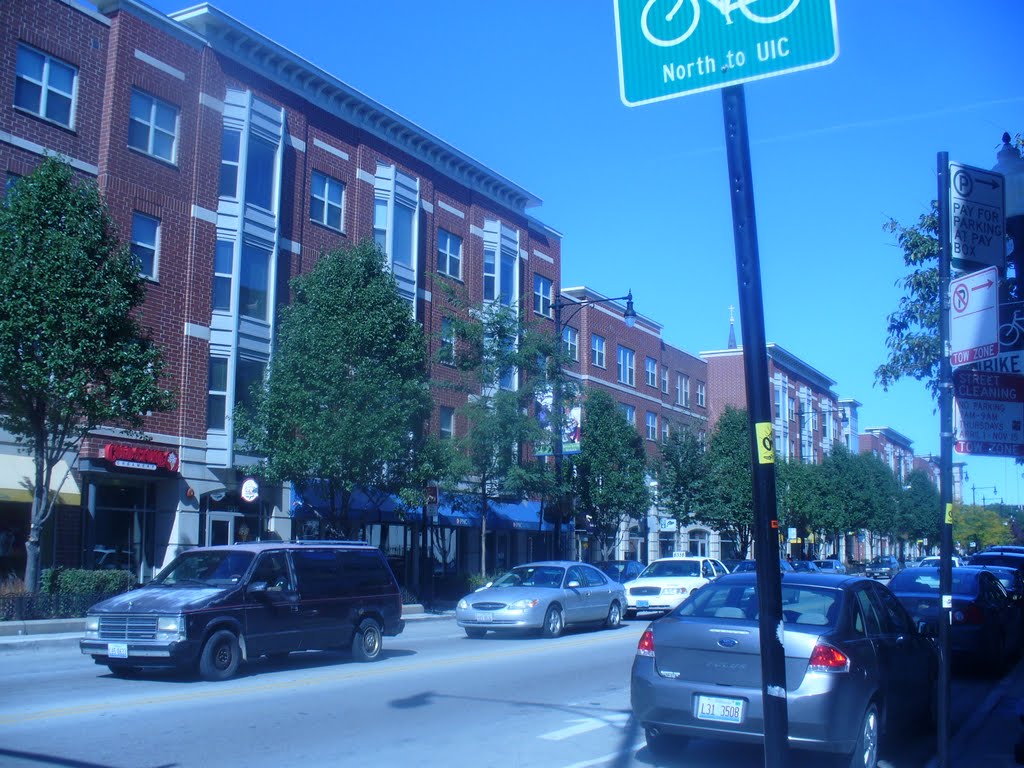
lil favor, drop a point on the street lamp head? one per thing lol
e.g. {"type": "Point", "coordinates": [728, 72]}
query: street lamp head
{"type": "Point", "coordinates": [629, 316]}
{"type": "Point", "coordinates": [1011, 165]}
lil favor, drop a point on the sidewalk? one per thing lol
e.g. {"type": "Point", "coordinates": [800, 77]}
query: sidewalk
{"type": "Point", "coordinates": [987, 738]}
{"type": "Point", "coordinates": [50, 633]}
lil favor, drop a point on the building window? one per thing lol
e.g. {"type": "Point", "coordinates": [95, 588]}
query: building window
{"type": "Point", "coordinates": [153, 127]}
{"type": "Point", "coordinates": [651, 370]}
{"type": "Point", "coordinates": [626, 359]}
{"type": "Point", "coordinates": [542, 295]}
{"type": "Point", "coordinates": [447, 351]}
{"type": "Point", "coordinates": [449, 254]}
{"type": "Point", "coordinates": [402, 239]}
{"type": "Point", "coordinates": [217, 397]}
{"type": "Point", "coordinates": [447, 422]}
{"type": "Point", "coordinates": [146, 243]}
{"type": "Point", "coordinates": [629, 413]}
{"type": "Point", "coordinates": [45, 86]}
{"type": "Point", "coordinates": [683, 390]}
{"type": "Point", "coordinates": [230, 147]}
{"type": "Point", "coordinates": [664, 430]}
{"type": "Point", "coordinates": [10, 182]}
{"type": "Point", "coordinates": [571, 343]}
{"type": "Point", "coordinates": [260, 167]}
{"type": "Point", "coordinates": [791, 414]}
{"type": "Point", "coordinates": [380, 224]}
{"type": "Point", "coordinates": [700, 394]}
{"type": "Point", "coordinates": [254, 282]}
{"type": "Point", "coordinates": [248, 374]}
{"type": "Point", "coordinates": [597, 350]}
{"type": "Point", "coordinates": [223, 271]}
{"type": "Point", "coordinates": [664, 380]}
{"type": "Point", "coordinates": [652, 425]}
{"type": "Point", "coordinates": [327, 201]}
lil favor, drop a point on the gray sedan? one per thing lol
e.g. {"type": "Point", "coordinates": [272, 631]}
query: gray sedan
{"type": "Point", "coordinates": [856, 667]}
{"type": "Point", "coordinates": [546, 596]}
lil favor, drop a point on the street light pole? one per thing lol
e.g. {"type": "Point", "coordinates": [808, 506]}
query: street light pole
{"type": "Point", "coordinates": [558, 420]}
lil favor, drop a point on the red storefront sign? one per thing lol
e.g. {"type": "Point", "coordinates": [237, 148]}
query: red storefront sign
{"type": "Point", "coordinates": [140, 457]}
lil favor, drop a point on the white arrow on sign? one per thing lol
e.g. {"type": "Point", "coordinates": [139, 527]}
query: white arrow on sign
{"type": "Point", "coordinates": [974, 317]}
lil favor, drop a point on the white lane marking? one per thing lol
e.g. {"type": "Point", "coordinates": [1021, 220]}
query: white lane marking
{"type": "Point", "coordinates": [585, 724]}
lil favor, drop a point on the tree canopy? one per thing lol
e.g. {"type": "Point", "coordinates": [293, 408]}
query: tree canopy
{"type": "Point", "coordinates": [346, 395]}
{"type": "Point", "coordinates": [72, 354]}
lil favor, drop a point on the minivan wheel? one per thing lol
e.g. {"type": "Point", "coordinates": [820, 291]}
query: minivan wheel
{"type": "Point", "coordinates": [553, 624]}
{"type": "Point", "coordinates": [367, 643]}
{"type": "Point", "coordinates": [865, 754]}
{"type": "Point", "coordinates": [220, 656]}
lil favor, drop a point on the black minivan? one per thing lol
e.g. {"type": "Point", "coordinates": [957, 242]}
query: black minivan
{"type": "Point", "coordinates": [214, 607]}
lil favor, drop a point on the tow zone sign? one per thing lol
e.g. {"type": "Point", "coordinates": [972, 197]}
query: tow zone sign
{"type": "Point", "coordinates": [988, 413]}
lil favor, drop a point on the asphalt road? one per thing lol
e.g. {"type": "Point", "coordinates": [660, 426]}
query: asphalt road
{"type": "Point", "coordinates": [435, 698]}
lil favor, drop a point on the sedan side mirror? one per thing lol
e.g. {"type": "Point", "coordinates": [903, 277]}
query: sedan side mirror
{"type": "Point", "coordinates": [573, 584]}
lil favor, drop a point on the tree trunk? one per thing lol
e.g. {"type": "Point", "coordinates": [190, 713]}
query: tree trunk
{"type": "Point", "coordinates": [483, 531]}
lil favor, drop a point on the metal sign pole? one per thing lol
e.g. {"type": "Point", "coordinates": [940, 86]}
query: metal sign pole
{"type": "Point", "coordinates": [945, 463]}
{"type": "Point", "coordinates": [759, 408]}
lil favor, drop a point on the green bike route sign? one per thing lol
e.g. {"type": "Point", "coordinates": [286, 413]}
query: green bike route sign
{"type": "Point", "coordinates": [670, 48]}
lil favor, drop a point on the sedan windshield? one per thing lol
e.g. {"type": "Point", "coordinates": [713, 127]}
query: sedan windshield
{"type": "Point", "coordinates": [532, 576]}
{"type": "Point", "coordinates": [216, 568]}
{"type": "Point", "coordinates": [660, 569]}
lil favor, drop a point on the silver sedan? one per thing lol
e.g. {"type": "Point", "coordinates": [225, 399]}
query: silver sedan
{"type": "Point", "coordinates": [546, 596]}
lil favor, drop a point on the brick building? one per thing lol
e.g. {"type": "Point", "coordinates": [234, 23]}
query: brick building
{"type": "Point", "coordinates": [230, 163]}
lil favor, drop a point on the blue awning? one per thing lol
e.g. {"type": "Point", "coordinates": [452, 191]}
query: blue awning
{"type": "Point", "coordinates": [365, 507]}
{"type": "Point", "coordinates": [521, 516]}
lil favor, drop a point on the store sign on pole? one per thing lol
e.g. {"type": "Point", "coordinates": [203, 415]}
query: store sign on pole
{"type": "Point", "coordinates": [988, 413]}
{"type": "Point", "coordinates": [974, 317]}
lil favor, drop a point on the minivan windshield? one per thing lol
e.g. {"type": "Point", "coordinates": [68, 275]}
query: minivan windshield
{"type": "Point", "coordinates": [207, 568]}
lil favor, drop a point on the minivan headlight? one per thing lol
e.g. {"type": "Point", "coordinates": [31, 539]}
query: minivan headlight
{"type": "Point", "coordinates": [92, 626]}
{"type": "Point", "coordinates": [170, 628]}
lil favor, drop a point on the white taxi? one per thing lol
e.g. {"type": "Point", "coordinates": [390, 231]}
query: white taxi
{"type": "Point", "coordinates": [666, 582]}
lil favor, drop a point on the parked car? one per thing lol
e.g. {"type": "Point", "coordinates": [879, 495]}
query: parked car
{"type": "Point", "coordinates": [997, 557]}
{"type": "Point", "coordinates": [213, 607]}
{"type": "Point", "coordinates": [830, 566]}
{"type": "Point", "coordinates": [883, 567]}
{"type": "Point", "coordinates": [750, 566]}
{"type": "Point", "coordinates": [1013, 583]}
{"type": "Point", "coordinates": [666, 581]}
{"type": "Point", "coordinates": [933, 561]}
{"type": "Point", "coordinates": [546, 596]}
{"type": "Point", "coordinates": [805, 566]}
{"type": "Point", "coordinates": [620, 570]}
{"type": "Point", "coordinates": [985, 629]}
{"type": "Point", "coordinates": [857, 668]}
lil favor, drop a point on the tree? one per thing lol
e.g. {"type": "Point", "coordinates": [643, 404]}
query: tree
{"type": "Point", "coordinates": [500, 361]}
{"type": "Point", "coordinates": [797, 496]}
{"type": "Point", "coordinates": [72, 355]}
{"type": "Point", "coordinates": [610, 470]}
{"type": "Point", "coordinates": [346, 395]}
{"type": "Point", "coordinates": [681, 474]}
{"type": "Point", "coordinates": [727, 503]}
{"type": "Point", "coordinates": [919, 508]}
{"type": "Point", "coordinates": [980, 527]}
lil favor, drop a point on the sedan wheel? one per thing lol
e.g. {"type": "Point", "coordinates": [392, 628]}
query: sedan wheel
{"type": "Point", "coordinates": [865, 755]}
{"type": "Point", "coordinates": [553, 625]}
{"type": "Point", "coordinates": [614, 616]}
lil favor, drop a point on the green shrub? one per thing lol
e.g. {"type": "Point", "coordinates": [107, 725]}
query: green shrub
{"type": "Point", "coordinates": [76, 581]}
{"type": "Point", "coordinates": [475, 581]}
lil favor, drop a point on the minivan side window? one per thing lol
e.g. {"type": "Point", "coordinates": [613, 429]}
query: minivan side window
{"type": "Point", "coordinates": [272, 570]}
{"type": "Point", "coordinates": [363, 572]}
{"type": "Point", "coordinates": [319, 573]}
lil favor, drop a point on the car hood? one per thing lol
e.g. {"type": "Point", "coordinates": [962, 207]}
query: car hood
{"type": "Point", "coordinates": [162, 600]}
{"type": "Point", "coordinates": [507, 595]}
{"type": "Point", "coordinates": [690, 582]}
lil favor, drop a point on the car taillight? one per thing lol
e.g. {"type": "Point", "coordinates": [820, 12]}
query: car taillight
{"type": "Point", "coordinates": [825, 658]}
{"type": "Point", "coordinates": [969, 614]}
{"type": "Point", "coordinates": [646, 645]}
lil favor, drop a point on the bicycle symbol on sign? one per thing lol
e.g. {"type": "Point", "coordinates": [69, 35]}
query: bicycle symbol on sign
{"type": "Point", "coordinates": [1010, 333]}
{"type": "Point", "coordinates": [662, 36]}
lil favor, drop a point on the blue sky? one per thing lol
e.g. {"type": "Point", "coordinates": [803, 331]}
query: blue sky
{"type": "Point", "coordinates": [530, 88]}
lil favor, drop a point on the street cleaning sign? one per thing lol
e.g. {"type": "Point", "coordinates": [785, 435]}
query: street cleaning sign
{"type": "Point", "coordinates": [670, 48]}
{"type": "Point", "coordinates": [988, 413]}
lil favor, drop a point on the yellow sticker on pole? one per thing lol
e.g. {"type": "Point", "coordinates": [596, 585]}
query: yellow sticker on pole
{"type": "Point", "coordinates": [765, 442]}
{"type": "Point", "coordinates": [949, 514]}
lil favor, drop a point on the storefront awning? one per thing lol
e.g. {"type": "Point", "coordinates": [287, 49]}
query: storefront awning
{"type": "Point", "coordinates": [364, 507]}
{"type": "Point", "coordinates": [463, 510]}
{"type": "Point", "coordinates": [521, 516]}
{"type": "Point", "coordinates": [17, 475]}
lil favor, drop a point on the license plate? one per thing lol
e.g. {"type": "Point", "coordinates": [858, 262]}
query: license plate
{"type": "Point", "coordinates": [117, 650]}
{"type": "Point", "coordinates": [720, 710]}
{"type": "Point", "coordinates": [642, 603]}
{"type": "Point", "coordinates": [484, 618]}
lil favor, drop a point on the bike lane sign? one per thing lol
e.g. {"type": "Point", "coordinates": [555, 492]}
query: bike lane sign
{"type": "Point", "coordinates": [988, 413]}
{"type": "Point", "coordinates": [974, 317]}
{"type": "Point", "coordinates": [671, 48]}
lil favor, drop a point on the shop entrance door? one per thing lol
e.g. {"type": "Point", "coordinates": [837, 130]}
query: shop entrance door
{"type": "Point", "coordinates": [220, 528]}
